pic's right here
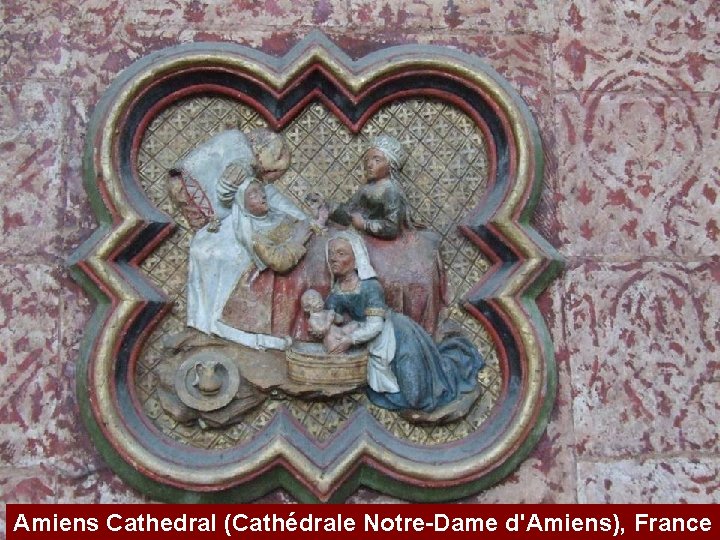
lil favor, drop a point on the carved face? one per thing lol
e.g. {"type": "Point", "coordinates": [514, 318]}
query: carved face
{"type": "Point", "coordinates": [272, 159]}
{"type": "Point", "coordinates": [341, 257]}
{"type": "Point", "coordinates": [376, 165]}
{"type": "Point", "coordinates": [311, 301]}
{"type": "Point", "coordinates": [256, 200]}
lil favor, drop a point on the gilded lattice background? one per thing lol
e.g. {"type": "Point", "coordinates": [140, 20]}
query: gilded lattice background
{"type": "Point", "coordinates": [444, 178]}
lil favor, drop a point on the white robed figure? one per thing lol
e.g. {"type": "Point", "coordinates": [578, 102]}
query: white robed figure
{"type": "Point", "coordinates": [221, 252]}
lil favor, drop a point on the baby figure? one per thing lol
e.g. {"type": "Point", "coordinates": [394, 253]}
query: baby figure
{"type": "Point", "coordinates": [322, 323]}
{"type": "Point", "coordinates": [319, 320]}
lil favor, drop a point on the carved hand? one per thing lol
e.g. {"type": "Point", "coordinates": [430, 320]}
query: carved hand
{"type": "Point", "coordinates": [335, 342]}
{"type": "Point", "coordinates": [322, 214]}
{"type": "Point", "coordinates": [341, 345]}
{"type": "Point", "coordinates": [358, 221]}
{"type": "Point", "coordinates": [318, 206]}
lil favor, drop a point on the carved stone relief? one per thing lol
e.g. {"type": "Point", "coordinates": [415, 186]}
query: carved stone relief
{"type": "Point", "coordinates": [445, 173]}
{"type": "Point", "coordinates": [323, 267]}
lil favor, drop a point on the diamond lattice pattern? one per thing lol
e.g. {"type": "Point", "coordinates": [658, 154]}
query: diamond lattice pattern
{"type": "Point", "coordinates": [444, 178]}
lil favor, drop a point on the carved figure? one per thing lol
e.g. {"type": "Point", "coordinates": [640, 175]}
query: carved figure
{"type": "Point", "coordinates": [320, 320]}
{"type": "Point", "coordinates": [379, 207]}
{"type": "Point", "coordinates": [251, 277]}
{"type": "Point", "coordinates": [406, 369]}
{"type": "Point", "coordinates": [250, 228]}
{"type": "Point", "coordinates": [405, 255]}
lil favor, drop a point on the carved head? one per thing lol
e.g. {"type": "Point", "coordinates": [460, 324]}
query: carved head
{"type": "Point", "coordinates": [311, 301]}
{"type": "Point", "coordinates": [255, 199]}
{"type": "Point", "coordinates": [271, 152]}
{"type": "Point", "coordinates": [392, 149]}
{"type": "Point", "coordinates": [340, 257]}
{"type": "Point", "coordinates": [346, 251]}
{"type": "Point", "coordinates": [376, 164]}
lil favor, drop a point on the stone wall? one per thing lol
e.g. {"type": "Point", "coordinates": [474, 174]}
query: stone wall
{"type": "Point", "coordinates": [626, 95]}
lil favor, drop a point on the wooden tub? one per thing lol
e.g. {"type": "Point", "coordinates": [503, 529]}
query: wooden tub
{"type": "Point", "coordinates": [311, 364]}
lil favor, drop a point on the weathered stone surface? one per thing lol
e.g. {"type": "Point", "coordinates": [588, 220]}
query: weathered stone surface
{"type": "Point", "coordinates": [226, 14]}
{"type": "Point", "coordinates": [651, 481]}
{"type": "Point", "coordinates": [74, 446]}
{"type": "Point", "coordinates": [100, 46]}
{"type": "Point", "coordinates": [548, 474]}
{"type": "Point", "coordinates": [78, 219]}
{"type": "Point", "coordinates": [634, 175]}
{"type": "Point", "coordinates": [644, 370]}
{"type": "Point", "coordinates": [665, 43]}
{"type": "Point", "coordinates": [26, 485]}
{"type": "Point", "coordinates": [32, 49]}
{"type": "Point", "coordinates": [486, 15]}
{"type": "Point", "coordinates": [29, 333]}
{"type": "Point", "coordinates": [94, 483]}
{"type": "Point", "coordinates": [30, 188]}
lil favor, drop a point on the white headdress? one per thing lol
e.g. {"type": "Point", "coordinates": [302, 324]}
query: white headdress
{"type": "Point", "coordinates": [362, 259]}
{"type": "Point", "coordinates": [392, 149]}
{"type": "Point", "coordinates": [245, 222]}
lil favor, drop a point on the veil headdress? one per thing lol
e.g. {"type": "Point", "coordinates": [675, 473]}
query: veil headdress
{"type": "Point", "coordinates": [246, 223]}
{"type": "Point", "coordinates": [363, 266]}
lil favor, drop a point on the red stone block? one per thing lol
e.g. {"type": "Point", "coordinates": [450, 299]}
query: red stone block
{"type": "Point", "coordinates": [100, 46]}
{"type": "Point", "coordinates": [32, 195]}
{"type": "Point", "coordinates": [95, 484]}
{"type": "Point", "coordinates": [274, 42]}
{"type": "Point", "coordinates": [83, 477]}
{"type": "Point", "coordinates": [31, 106]}
{"type": "Point", "coordinates": [106, 37]}
{"type": "Point", "coordinates": [548, 474]}
{"type": "Point", "coordinates": [639, 174]}
{"type": "Point", "coordinates": [77, 308]}
{"type": "Point", "coordinates": [546, 218]}
{"type": "Point", "coordinates": [30, 485]}
{"type": "Point", "coordinates": [703, 395]}
{"type": "Point", "coordinates": [278, 13]}
{"type": "Point", "coordinates": [655, 481]}
{"type": "Point", "coordinates": [644, 366]}
{"type": "Point", "coordinates": [19, 11]}
{"type": "Point", "coordinates": [670, 43]}
{"type": "Point", "coordinates": [220, 14]}
{"type": "Point", "coordinates": [524, 60]}
{"type": "Point", "coordinates": [29, 332]}
{"type": "Point", "coordinates": [33, 50]}
{"type": "Point", "coordinates": [34, 485]}
{"type": "Point", "coordinates": [486, 15]}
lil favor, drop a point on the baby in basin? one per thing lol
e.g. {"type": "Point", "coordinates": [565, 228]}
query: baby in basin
{"type": "Point", "coordinates": [323, 323]}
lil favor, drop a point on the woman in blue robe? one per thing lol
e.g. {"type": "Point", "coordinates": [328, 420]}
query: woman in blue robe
{"type": "Point", "coordinates": [406, 368]}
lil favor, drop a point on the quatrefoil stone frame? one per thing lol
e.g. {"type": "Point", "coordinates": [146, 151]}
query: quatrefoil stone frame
{"type": "Point", "coordinates": [282, 456]}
